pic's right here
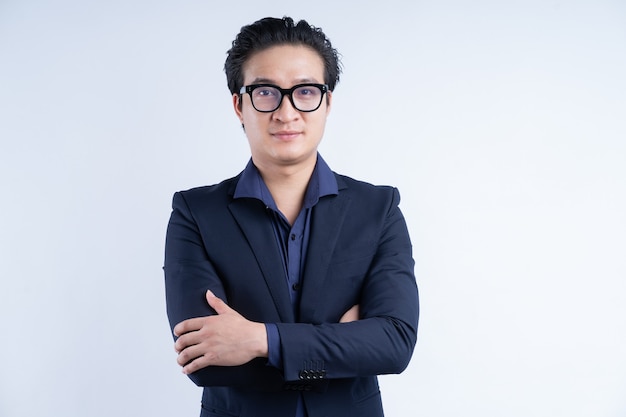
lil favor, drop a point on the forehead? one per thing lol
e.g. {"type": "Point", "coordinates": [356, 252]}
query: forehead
{"type": "Point", "coordinates": [284, 65]}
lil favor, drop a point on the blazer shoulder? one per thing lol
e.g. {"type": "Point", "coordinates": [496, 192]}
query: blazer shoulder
{"type": "Point", "coordinates": [207, 195]}
{"type": "Point", "coordinates": [368, 192]}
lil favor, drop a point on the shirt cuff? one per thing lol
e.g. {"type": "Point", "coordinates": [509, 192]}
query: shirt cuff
{"type": "Point", "coordinates": [275, 357]}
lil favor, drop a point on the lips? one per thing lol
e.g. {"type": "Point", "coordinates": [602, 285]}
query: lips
{"type": "Point", "coordinates": [286, 134]}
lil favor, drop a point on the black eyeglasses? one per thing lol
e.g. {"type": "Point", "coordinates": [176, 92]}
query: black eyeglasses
{"type": "Point", "coordinates": [266, 98]}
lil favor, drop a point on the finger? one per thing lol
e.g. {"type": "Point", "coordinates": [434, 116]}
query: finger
{"type": "Point", "coordinates": [184, 342]}
{"type": "Point", "coordinates": [350, 315]}
{"type": "Point", "coordinates": [187, 326]}
{"type": "Point", "coordinates": [196, 363]}
{"type": "Point", "coordinates": [189, 354]}
{"type": "Point", "coordinates": [217, 304]}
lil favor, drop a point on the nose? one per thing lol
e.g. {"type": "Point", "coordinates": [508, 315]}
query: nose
{"type": "Point", "coordinates": [286, 111]}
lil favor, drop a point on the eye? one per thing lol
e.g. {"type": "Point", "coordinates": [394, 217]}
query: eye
{"type": "Point", "coordinates": [265, 92]}
{"type": "Point", "coordinates": [307, 92]}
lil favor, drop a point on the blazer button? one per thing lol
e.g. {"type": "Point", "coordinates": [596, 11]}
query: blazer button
{"type": "Point", "coordinates": [304, 374]}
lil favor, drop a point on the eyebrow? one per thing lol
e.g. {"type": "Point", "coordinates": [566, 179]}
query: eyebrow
{"type": "Point", "coordinates": [261, 80]}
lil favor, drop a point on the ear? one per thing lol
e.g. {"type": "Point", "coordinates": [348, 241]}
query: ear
{"type": "Point", "coordinates": [329, 101]}
{"type": "Point", "coordinates": [237, 105]}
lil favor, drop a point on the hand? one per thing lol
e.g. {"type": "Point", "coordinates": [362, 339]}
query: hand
{"type": "Point", "coordinates": [350, 315]}
{"type": "Point", "coordinates": [225, 339]}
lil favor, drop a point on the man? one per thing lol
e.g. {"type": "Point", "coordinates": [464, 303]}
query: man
{"type": "Point", "coordinates": [289, 287]}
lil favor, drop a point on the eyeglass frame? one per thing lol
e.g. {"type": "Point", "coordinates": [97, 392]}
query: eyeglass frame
{"type": "Point", "coordinates": [284, 92]}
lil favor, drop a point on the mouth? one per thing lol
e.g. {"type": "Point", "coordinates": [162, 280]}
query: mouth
{"type": "Point", "coordinates": [286, 135]}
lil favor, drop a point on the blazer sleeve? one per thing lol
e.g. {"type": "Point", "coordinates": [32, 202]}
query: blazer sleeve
{"type": "Point", "coordinates": [188, 275]}
{"type": "Point", "coordinates": [382, 341]}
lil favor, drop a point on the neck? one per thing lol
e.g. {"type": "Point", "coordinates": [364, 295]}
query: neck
{"type": "Point", "coordinates": [288, 184]}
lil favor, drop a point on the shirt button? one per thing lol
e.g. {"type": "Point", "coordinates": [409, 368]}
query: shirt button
{"type": "Point", "coordinates": [293, 236]}
{"type": "Point", "coordinates": [296, 286]}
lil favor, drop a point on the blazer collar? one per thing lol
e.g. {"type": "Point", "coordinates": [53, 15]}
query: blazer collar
{"type": "Point", "coordinates": [328, 217]}
{"type": "Point", "coordinates": [260, 236]}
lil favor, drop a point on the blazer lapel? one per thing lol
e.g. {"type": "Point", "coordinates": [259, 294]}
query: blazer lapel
{"type": "Point", "coordinates": [260, 235]}
{"type": "Point", "coordinates": [328, 216]}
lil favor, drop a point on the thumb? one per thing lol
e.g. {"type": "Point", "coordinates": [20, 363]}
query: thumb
{"type": "Point", "coordinates": [217, 303]}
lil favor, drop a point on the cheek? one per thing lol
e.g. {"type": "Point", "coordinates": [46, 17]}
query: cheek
{"type": "Point", "coordinates": [252, 117]}
{"type": "Point", "coordinates": [320, 123]}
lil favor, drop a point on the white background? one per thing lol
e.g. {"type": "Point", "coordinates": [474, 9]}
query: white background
{"type": "Point", "coordinates": [503, 123]}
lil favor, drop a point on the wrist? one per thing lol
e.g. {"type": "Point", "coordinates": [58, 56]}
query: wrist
{"type": "Point", "coordinates": [262, 350]}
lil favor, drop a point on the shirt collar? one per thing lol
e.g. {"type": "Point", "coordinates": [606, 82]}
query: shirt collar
{"type": "Point", "coordinates": [322, 183]}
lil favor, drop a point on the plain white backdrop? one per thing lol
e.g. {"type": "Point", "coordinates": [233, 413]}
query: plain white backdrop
{"type": "Point", "coordinates": [503, 124]}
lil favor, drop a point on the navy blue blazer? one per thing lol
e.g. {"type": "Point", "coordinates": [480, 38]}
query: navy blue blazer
{"type": "Point", "coordinates": [359, 253]}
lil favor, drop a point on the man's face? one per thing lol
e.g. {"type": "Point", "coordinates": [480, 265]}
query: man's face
{"type": "Point", "coordinates": [286, 136]}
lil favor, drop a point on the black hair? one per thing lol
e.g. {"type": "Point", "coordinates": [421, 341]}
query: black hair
{"type": "Point", "coordinates": [269, 32]}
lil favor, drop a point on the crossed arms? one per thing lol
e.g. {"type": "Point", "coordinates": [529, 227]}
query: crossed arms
{"type": "Point", "coordinates": [224, 342]}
